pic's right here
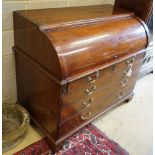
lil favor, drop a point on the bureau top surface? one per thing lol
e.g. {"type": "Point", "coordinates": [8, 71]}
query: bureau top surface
{"type": "Point", "coordinates": [55, 16]}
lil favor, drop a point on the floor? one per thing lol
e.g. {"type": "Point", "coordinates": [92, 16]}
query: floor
{"type": "Point", "coordinates": [130, 125]}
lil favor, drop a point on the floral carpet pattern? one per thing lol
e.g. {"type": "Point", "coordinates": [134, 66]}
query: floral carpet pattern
{"type": "Point", "coordinates": [88, 141]}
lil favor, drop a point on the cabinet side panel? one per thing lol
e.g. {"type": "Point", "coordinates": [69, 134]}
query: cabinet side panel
{"type": "Point", "coordinates": [38, 93]}
{"type": "Point", "coordinates": [35, 44]}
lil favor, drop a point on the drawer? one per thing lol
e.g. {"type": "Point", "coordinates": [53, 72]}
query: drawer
{"type": "Point", "coordinates": [83, 103]}
{"type": "Point", "coordinates": [100, 105]}
{"type": "Point", "coordinates": [103, 75]}
{"type": "Point", "coordinates": [102, 82]}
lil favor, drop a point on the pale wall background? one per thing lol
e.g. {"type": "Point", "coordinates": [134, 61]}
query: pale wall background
{"type": "Point", "coordinates": [8, 63]}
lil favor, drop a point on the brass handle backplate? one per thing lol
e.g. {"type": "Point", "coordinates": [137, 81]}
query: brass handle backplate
{"type": "Point", "coordinates": [88, 103]}
{"type": "Point", "coordinates": [124, 82]}
{"type": "Point", "coordinates": [120, 95]}
{"type": "Point", "coordinates": [86, 117]}
{"type": "Point", "coordinates": [128, 71]}
{"type": "Point", "coordinates": [90, 90]}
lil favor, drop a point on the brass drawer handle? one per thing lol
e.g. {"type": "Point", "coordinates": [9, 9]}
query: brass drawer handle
{"type": "Point", "coordinates": [92, 79]}
{"type": "Point", "coordinates": [86, 117]}
{"type": "Point", "coordinates": [120, 95]}
{"type": "Point", "coordinates": [88, 103]}
{"type": "Point", "coordinates": [131, 60]}
{"type": "Point", "coordinates": [91, 90]}
{"type": "Point", "coordinates": [124, 82]}
{"type": "Point", "coordinates": [130, 66]}
{"type": "Point", "coordinates": [128, 71]}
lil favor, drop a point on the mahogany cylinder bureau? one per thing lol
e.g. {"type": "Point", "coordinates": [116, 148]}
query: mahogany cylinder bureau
{"type": "Point", "coordinates": [73, 64]}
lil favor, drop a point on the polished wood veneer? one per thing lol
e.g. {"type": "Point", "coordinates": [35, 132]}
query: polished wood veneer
{"type": "Point", "coordinates": [72, 68]}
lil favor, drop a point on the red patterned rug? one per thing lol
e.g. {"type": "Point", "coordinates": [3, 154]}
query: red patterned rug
{"type": "Point", "coordinates": [88, 141]}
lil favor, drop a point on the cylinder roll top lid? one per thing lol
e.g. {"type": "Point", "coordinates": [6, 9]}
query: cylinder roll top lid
{"type": "Point", "coordinates": [87, 42]}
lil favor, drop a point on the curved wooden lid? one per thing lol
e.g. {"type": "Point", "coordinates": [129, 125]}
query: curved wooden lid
{"type": "Point", "coordinates": [85, 38]}
{"type": "Point", "coordinates": [85, 47]}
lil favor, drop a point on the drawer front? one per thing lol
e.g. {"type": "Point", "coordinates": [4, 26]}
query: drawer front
{"type": "Point", "coordinates": [98, 96]}
{"type": "Point", "coordinates": [103, 75]}
{"type": "Point", "coordinates": [99, 105]}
